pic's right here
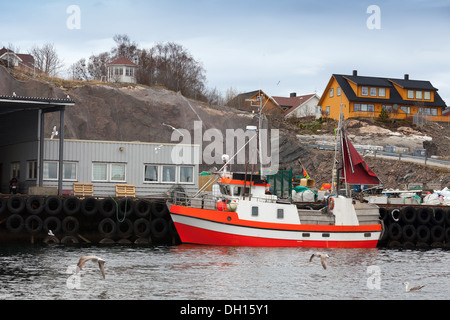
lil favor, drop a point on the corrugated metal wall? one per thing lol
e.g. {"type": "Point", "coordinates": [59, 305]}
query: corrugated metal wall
{"type": "Point", "coordinates": [134, 154]}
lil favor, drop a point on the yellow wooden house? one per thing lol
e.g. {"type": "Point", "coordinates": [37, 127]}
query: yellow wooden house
{"type": "Point", "coordinates": [362, 96]}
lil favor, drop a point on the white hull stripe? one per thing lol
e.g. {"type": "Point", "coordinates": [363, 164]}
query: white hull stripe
{"type": "Point", "coordinates": [276, 233]}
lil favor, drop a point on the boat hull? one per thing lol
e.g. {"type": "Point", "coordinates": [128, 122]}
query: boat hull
{"type": "Point", "coordinates": [211, 227]}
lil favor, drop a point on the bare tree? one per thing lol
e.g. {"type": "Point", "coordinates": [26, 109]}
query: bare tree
{"type": "Point", "coordinates": [79, 70]}
{"type": "Point", "coordinates": [125, 48]}
{"type": "Point", "coordinates": [46, 59]}
{"type": "Point", "coordinates": [97, 65]}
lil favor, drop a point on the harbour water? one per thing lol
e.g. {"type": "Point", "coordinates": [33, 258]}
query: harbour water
{"type": "Point", "coordinates": [189, 272]}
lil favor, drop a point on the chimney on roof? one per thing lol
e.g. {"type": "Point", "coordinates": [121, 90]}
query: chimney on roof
{"type": "Point", "coordinates": [293, 94]}
{"type": "Point", "coordinates": [406, 76]}
{"type": "Point", "coordinates": [355, 73]}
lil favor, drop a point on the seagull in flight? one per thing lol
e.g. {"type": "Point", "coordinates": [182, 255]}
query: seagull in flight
{"type": "Point", "coordinates": [54, 133]}
{"type": "Point", "coordinates": [101, 263]}
{"type": "Point", "coordinates": [323, 258]}
{"type": "Point", "coordinates": [173, 128]}
{"type": "Point", "coordinates": [50, 233]}
{"type": "Point", "coordinates": [408, 289]}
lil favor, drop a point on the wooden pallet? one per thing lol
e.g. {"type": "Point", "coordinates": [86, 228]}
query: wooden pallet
{"type": "Point", "coordinates": [83, 189]}
{"type": "Point", "coordinates": [125, 190]}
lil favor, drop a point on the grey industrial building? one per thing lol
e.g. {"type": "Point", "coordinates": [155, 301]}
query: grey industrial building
{"type": "Point", "coordinates": [152, 168]}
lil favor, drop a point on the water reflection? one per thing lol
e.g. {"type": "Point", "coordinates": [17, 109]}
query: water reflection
{"type": "Point", "coordinates": [203, 272]}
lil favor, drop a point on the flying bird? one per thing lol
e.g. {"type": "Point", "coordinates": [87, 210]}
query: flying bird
{"type": "Point", "coordinates": [408, 289]}
{"type": "Point", "coordinates": [101, 263]}
{"type": "Point", "coordinates": [173, 128]}
{"type": "Point", "coordinates": [50, 233]}
{"type": "Point", "coordinates": [323, 258]}
{"type": "Point", "coordinates": [54, 133]}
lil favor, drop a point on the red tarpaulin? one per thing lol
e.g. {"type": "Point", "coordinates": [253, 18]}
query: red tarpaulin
{"type": "Point", "coordinates": [356, 170]}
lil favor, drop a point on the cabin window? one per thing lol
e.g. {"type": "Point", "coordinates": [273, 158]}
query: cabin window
{"type": "Point", "coordinates": [280, 213]}
{"type": "Point", "coordinates": [236, 191]}
{"type": "Point", "coordinates": [225, 190]}
{"type": "Point", "coordinates": [254, 211]}
{"type": "Point", "coordinates": [427, 95]}
{"type": "Point", "coordinates": [382, 92]}
{"type": "Point", "coordinates": [373, 92]}
{"type": "Point", "coordinates": [306, 234]}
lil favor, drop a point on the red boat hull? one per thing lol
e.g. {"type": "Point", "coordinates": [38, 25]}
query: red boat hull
{"type": "Point", "coordinates": [211, 227]}
{"type": "Point", "coordinates": [194, 235]}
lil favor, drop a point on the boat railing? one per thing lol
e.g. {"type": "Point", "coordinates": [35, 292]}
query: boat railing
{"type": "Point", "coordinates": [210, 201]}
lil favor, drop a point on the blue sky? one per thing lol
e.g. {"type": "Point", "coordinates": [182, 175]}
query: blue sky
{"type": "Point", "coordinates": [279, 46]}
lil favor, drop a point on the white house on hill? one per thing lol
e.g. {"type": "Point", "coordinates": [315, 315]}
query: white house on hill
{"type": "Point", "coordinates": [300, 106]}
{"type": "Point", "coordinates": [121, 70]}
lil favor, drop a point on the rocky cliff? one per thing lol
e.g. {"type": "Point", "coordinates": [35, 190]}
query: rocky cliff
{"type": "Point", "coordinates": [137, 113]}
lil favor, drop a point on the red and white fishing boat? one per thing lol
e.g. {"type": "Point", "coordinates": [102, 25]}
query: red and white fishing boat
{"type": "Point", "coordinates": [245, 215]}
{"type": "Point", "coordinates": [255, 218]}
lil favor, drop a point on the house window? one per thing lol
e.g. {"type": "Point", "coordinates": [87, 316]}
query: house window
{"type": "Point", "coordinates": [70, 171]}
{"type": "Point", "coordinates": [100, 172]}
{"type": "Point", "coordinates": [327, 110]}
{"type": "Point", "coordinates": [31, 170]}
{"type": "Point", "coordinates": [410, 94]}
{"type": "Point", "coordinates": [382, 92]}
{"type": "Point", "coordinates": [338, 91]}
{"type": "Point", "coordinates": [427, 95]}
{"type": "Point", "coordinates": [114, 172]}
{"type": "Point", "coordinates": [331, 93]}
{"type": "Point", "coordinates": [186, 174]}
{"type": "Point", "coordinates": [371, 108]}
{"type": "Point", "coordinates": [363, 107]}
{"type": "Point", "coordinates": [151, 173]}
{"type": "Point", "coordinates": [118, 172]}
{"type": "Point", "coordinates": [373, 92]}
{"type": "Point", "coordinates": [419, 95]}
{"type": "Point", "coordinates": [15, 170]}
{"type": "Point", "coordinates": [364, 91]}
{"type": "Point", "coordinates": [406, 109]}
{"type": "Point", "coordinates": [356, 107]}
{"type": "Point", "coordinates": [388, 108]}
{"type": "Point", "coordinates": [129, 72]}
{"type": "Point", "coordinates": [168, 174]}
{"type": "Point", "coordinates": [51, 170]}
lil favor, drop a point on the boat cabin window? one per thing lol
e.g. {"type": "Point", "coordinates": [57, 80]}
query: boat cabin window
{"type": "Point", "coordinates": [280, 213]}
{"type": "Point", "coordinates": [254, 211]}
{"type": "Point", "coordinates": [237, 191]}
{"type": "Point", "coordinates": [225, 190]}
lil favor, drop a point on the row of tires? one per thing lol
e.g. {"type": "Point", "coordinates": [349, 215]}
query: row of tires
{"type": "Point", "coordinates": [158, 228]}
{"type": "Point", "coordinates": [432, 216]}
{"type": "Point", "coordinates": [89, 206]}
{"type": "Point", "coordinates": [417, 234]}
